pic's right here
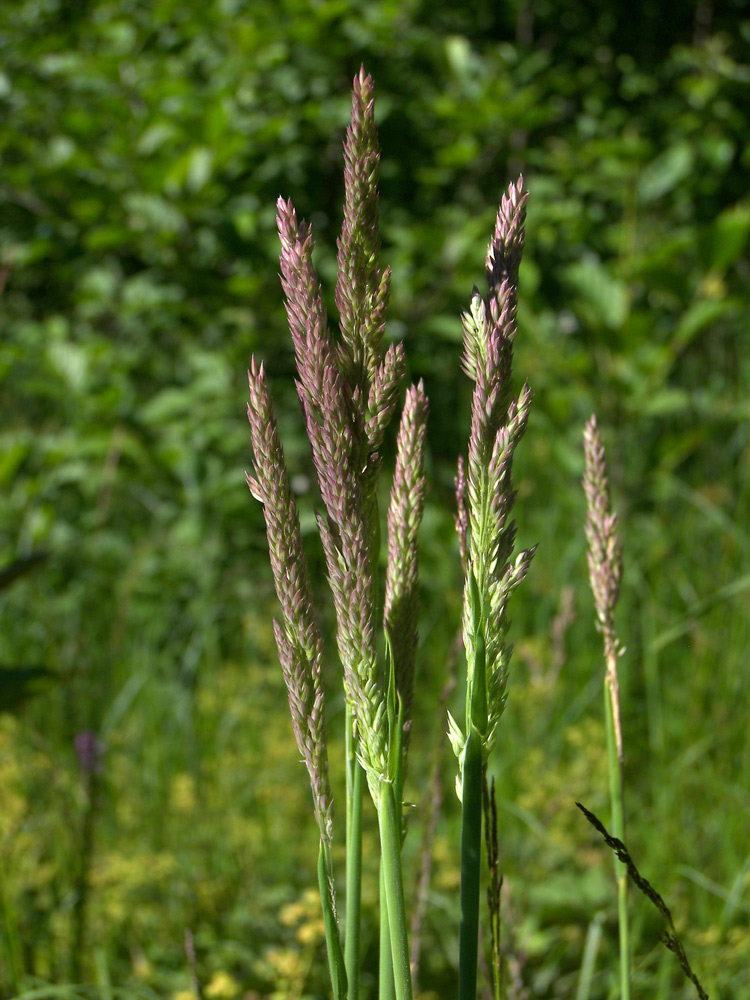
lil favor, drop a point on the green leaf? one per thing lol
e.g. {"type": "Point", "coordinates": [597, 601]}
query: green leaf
{"type": "Point", "coordinates": [727, 236]}
{"type": "Point", "coordinates": [664, 173]}
{"type": "Point", "coordinates": [605, 295]}
{"type": "Point", "coordinates": [698, 317]}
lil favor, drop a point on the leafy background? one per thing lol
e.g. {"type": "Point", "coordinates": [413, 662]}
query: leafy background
{"type": "Point", "coordinates": [142, 148]}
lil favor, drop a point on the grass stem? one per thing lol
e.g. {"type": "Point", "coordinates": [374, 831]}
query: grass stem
{"type": "Point", "coordinates": [336, 964]}
{"type": "Point", "coordinates": [471, 840]}
{"type": "Point", "coordinates": [390, 841]}
{"type": "Point", "coordinates": [386, 985]}
{"type": "Point", "coordinates": [611, 711]}
{"type": "Point", "coordinates": [354, 796]}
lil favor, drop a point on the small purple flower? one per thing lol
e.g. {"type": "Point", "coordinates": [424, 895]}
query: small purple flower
{"type": "Point", "coordinates": [90, 752]}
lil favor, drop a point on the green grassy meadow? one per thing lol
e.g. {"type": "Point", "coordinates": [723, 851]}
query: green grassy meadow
{"type": "Point", "coordinates": [142, 149]}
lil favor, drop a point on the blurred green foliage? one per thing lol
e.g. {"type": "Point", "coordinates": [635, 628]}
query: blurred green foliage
{"type": "Point", "coordinates": [142, 148]}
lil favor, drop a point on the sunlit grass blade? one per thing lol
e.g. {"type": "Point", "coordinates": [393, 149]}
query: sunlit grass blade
{"type": "Point", "coordinates": [588, 963]}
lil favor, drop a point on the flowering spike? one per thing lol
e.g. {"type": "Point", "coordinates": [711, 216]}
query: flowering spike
{"type": "Point", "coordinates": [361, 290]}
{"type": "Point", "coordinates": [384, 391]}
{"type": "Point", "coordinates": [298, 638]}
{"type": "Point", "coordinates": [604, 557]}
{"type": "Point", "coordinates": [404, 518]}
{"type": "Point", "coordinates": [484, 488]}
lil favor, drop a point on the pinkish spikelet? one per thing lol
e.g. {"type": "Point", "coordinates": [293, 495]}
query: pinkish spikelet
{"type": "Point", "coordinates": [384, 391]}
{"type": "Point", "coordinates": [462, 515]}
{"type": "Point", "coordinates": [604, 554]}
{"type": "Point", "coordinates": [361, 290]}
{"type": "Point", "coordinates": [404, 518]}
{"type": "Point", "coordinates": [298, 639]}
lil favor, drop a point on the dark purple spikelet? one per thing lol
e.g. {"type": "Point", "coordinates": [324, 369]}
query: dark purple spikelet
{"type": "Point", "coordinates": [335, 423]}
{"type": "Point", "coordinates": [334, 427]}
{"type": "Point", "coordinates": [298, 638]}
{"type": "Point", "coordinates": [401, 609]}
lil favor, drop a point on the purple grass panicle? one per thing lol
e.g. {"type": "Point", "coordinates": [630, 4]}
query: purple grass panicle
{"type": "Point", "coordinates": [349, 392]}
{"type": "Point", "coordinates": [335, 424]}
{"type": "Point", "coordinates": [298, 638]}
{"type": "Point", "coordinates": [90, 752]}
{"type": "Point", "coordinates": [362, 288]}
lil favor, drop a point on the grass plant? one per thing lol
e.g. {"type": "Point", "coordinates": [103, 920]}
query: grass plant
{"type": "Point", "coordinates": [349, 390]}
{"type": "Point", "coordinates": [485, 500]}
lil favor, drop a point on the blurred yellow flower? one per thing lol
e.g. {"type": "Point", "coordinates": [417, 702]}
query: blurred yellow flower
{"type": "Point", "coordinates": [292, 913]}
{"type": "Point", "coordinates": [222, 987]}
{"type": "Point", "coordinates": [311, 931]}
{"type": "Point", "coordinates": [284, 961]}
{"type": "Point", "coordinates": [182, 795]}
{"type": "Point", "coordinates": [141, 965]}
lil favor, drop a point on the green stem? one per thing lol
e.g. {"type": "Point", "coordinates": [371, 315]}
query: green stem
{"type": "Point", "coordinates": [333, 942]}
{"type": "Point", "coordinates": [386, 986]}
{"type": "Point", "coordinates": [390, 843]}
{"type": "Point", "coordinates": [80, 906]}
{"type": "Point", "coordinates": [354, 796]}
{"type": "Point", "coordinates": [618, 829]}
{"type": "Point", "coordinates": [471, 840]}
{"type": "Point", "coordinates": [385, 979]}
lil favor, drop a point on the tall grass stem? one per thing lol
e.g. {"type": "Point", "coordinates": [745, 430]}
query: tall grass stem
{"type": "Point", "coordinates": [386, 985]}
{"type": "Point", "coordinates": [471, 843]}
{"type": "Point", "coordinates": [390, 840]}
{"type": "Point", "coordinates": [11, 937]}
{"type": "Point", "coordinates": [336, 964]}
{"type": "Point", "coordinates": [611, 711]}
{"type": "Point", "coordinates": [354, 796]}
